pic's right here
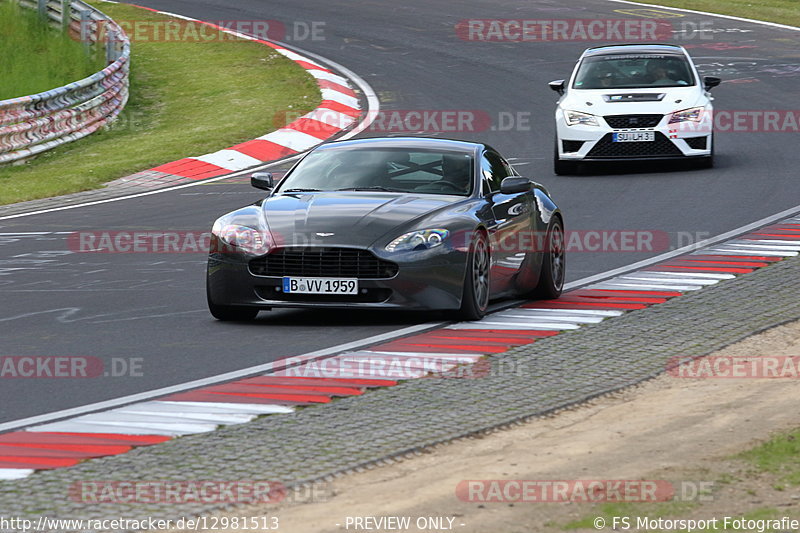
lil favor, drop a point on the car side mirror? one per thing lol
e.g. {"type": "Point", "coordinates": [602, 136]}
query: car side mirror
{"type": "Point", "coordinates": [709, 82]}
{"type": "Point", "coordinates": [262, 180]}
{"type": "Point", "coordinates": [515, 185]}
{"type": "Point", "coordinates": [557, 86]}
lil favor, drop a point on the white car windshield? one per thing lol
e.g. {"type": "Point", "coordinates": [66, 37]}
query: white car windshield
{"type": "Point", "coordinates": [633, 71]}
{"type": "Point", "coordinates": [381, 169]}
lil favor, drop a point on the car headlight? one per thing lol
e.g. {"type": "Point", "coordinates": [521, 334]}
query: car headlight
{"type": "Point", "coordinates": [575, 118]}
{"type": "Point", "coordinates": [418, 240]}
{"type": "Point", "coordinates": [694, 114]}
{"type": "Point", "coordinates": [243, 238]}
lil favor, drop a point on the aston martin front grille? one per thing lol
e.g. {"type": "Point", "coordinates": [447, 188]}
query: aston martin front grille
{"type": "Point", "coordinates": [633, 121]}
{"type": "Point", "coordinates": [323, 262]}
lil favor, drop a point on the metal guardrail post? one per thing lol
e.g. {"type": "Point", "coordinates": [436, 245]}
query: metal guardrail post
{"type": "Point", "coordinates": [42, 8]}
{"type": "Point", "coordinates": [66, 14]}
{"type": "Point", "coordinates": [86, 27]}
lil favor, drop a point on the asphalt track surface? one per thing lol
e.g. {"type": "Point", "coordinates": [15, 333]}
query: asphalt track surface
{"type": "Point", "coordinates": [150, 308]}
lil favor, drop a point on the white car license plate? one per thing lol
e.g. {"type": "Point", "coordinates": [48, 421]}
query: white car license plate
{"type": "Point", "coordinates": [320, 285]}
{"type": "Point", "coordinates": [634, 136]}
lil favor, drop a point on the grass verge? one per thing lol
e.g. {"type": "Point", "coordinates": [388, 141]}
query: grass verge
{"type": "Point", "coordinates": [187, 98]}
{"type": "Point", "coordinates": [37, 57]}
{"type": "Point", "coordinates": [780, 11]}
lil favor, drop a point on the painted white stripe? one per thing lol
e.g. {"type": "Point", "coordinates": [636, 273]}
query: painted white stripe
{"type": "Point", "coordinates": [127, 418]}
{"type": "Point", "coordinates": [329, 76]}
{"type": "Point", "coordinates": [254, 408]}
{"type": "Point", "coordinates": [690, 274]}
{"type": "Point", "coordinates": [296, 140]}
{"type": "Point", "coordinates": [745, 246]}
{"type": "Point", "coordinates": [7, 474]}
{"type": "Point", "coordinates": [230, 159]}
{"type": "Point", "coordinates": [544, 318]}
{"type": "Point", "coordinates": [570, 312]}
{"type": "Point", "coordinates": [336, 96]}
{"type": "Point", "coordinates": [188, 413]}
{"type": "Point", "coordinates": [502, 324]}
{"type": "Point", "coordinates": [170, 430]}
{"type": "Point", "coordinates": [409, 364]}
{"type": "Point", "coordinates": [721, 250]}
{"type": "Point", "coordinates": [295, 56]}
{"type": "Point", "coordinates": [413, 354]}
{"type": "Point", "coordinates": [630, 284]}
{"type": "Point", "coordinates": [669, 281]}
{"type": "Point", "coordinates": [794, 244]}
{"type": "Point", "coordinates": [330, 117]}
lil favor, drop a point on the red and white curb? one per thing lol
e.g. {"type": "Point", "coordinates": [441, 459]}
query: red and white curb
{"type": "Point", "coordinates": [339, 110]}
{"type": "Point", "coordinates": [68, 442]}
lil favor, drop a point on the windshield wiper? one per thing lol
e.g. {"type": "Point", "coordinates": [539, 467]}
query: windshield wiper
{"type": "Point", "coordinates": [301, 190]}
{"type": "Point", "coordinates": [373, 188]}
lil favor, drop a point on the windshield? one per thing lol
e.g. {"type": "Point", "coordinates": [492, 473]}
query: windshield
{"type": "Point", "coordinates": [633, 71]}
{"type": "Point", "coordinates": [381, 169]}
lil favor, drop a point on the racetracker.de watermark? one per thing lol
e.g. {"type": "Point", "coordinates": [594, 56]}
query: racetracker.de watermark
{"type": "Point", "coordinates": [582, 491]}
{"type": "Point", "coordinates": [180, 492]}
{"type": "Point", "coordinates": [564, 30]}
{"type": "Point", "coordinates": [736, 367]}
{"type": "Point", "coordinates": [192, 31]}
{"type": "Point", "coordinates": [69, 367]}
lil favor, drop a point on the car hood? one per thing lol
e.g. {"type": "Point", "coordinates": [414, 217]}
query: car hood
{"type": "Point", "coordinates": [345, 218]}
{"type": "Point", "coordinates": [593, 101]}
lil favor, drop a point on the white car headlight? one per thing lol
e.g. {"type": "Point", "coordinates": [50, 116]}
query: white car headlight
{"type": "Point", "coordinates": [244, 238]}
{"type": "Point", "coordinates": [694, 114]}
{"type": "Point", "coordinates": [575, 118]}
{"type": "Point", "coordinates": [418, 240]}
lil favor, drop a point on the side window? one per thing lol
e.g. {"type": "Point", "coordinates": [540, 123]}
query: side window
{"type": "Point", "coordinates": [493, 170]}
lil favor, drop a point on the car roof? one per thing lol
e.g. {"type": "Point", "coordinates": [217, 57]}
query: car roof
{"type": "Point", "coordinates": [406, 143]}
{"type": "Point", "coordinates": [634, 49]}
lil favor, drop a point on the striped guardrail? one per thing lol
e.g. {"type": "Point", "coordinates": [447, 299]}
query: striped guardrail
{"type": "Point", "coordinates": [32, 124]}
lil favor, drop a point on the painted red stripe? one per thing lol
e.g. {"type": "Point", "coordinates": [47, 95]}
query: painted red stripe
{"type": "Point", "coordinates": [778, 236]}
{"type": "Point", "coordinates": [781, 227]}
{"type": "Point", "coordinates": [37, 463]}
{"type": "Point", "coordinates": [23, 451]}
{"type": "Point", "coordinates": [555, 304]}
{"type": "Point", "coordinates": [174, 165]}
{"type": "Point", "coordinates": [53, 437]}
{"type": "Point", "coordinates": [438, 338]}
{"type": "Point", "coordinates": [300, 398]}
{"type": "Point", "coordinates": [333, 105]}
{"type": "Point", "coordinates": [192, 168]}
{"type": "Point", "coordinates": [440, 348]}
{"type": "Point", "coordinates": [313, 127]}
{"type": "Point", "coordinates": [98, 449]}
{"type": "Point", "coordinates": [232, 397]}
{"type": "Point", "coordinates": [327, 84]}
{"type": "Point", "coordinates": [689, 262]}
{"type": "Point", "coordinates": [613, 299]}
{"type": "Point", "coordinates": [532, 333]}
{"type": "Point", "coordinates": [679, 268]}
{"type": "Point", "coordinates": [263, 150]}
{"type": "Point", "coordinates": [310, 66]}
{"type": "Point", "coordinates": [508, 341]}
{"type": "Point", "coordinates": [241, 386]}
{"type": "Point", "coordinates": [333, 382]}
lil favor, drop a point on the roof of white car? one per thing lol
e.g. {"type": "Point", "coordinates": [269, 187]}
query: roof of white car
{"type": "Point", "coordinates": [635, 49]}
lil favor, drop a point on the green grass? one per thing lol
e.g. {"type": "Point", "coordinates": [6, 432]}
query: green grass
{"type": "Point", "coordinates": [780, 11]}
{"type": "Point", "coordinates": [187, 98]}
{"type": "Point", "coordinates": [780, 456]}
{"type": "Point", "coordinates": [36, 57]}
{"type": "Point", "coordinates": [633, 510]}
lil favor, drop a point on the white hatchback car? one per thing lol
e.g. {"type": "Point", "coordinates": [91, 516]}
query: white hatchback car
{"type": "Point", "coordinates": [633, 102]}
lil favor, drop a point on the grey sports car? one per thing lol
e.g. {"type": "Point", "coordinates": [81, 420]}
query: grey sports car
{"type": "Point", "coordinates": [389, 223]}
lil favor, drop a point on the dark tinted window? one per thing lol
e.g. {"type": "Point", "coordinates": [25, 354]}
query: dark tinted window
{"type": "Point", "coordinates": [493, 169]}
{"type": "Point", "coordinates": [630, 71]}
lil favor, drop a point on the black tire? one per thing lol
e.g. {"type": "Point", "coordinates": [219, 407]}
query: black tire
{"type": "Point", "coordinates": [230, 313]}
{"type": "Point", "coordinates": [561, 167]}
{"type": "Point", "coordinates": [551, 278]}
{"type": "Point", "coordinates": [475, 296]}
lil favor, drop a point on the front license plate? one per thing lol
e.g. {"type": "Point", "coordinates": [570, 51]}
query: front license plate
{"type": "Point", "coordinates": [320, 285]}
{"type": "Point", "coordinates": [634, 136]}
